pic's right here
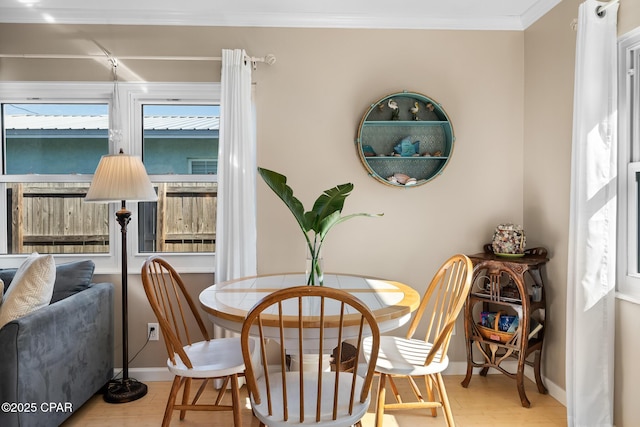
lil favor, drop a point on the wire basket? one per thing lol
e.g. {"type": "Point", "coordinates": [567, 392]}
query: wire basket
{"type": "Point", "coordinates": [495, 334]}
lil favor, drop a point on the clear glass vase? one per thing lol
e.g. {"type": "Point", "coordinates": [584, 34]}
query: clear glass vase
{"type": "Point", "coordinates": [314, 268]}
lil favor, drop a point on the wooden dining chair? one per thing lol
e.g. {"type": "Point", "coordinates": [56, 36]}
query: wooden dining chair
{"type": "Point", "coordinates": [312, 394]}
{"type": "Point", "coordinates": [426, 357]}
{"type": "Point", "coordinates": [191, 356]}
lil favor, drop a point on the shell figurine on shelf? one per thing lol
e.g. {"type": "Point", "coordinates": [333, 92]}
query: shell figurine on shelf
{"type": "Point", "coordinates": [401, 179]}
{"type": "Point", "coordinates": [508, 240]}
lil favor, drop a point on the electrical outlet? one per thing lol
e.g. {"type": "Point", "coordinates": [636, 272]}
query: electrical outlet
{"type": "Point", "coordinates": [153, 331]}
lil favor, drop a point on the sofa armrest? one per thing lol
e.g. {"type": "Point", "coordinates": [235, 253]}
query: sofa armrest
{"type": "Point", "coordinates": [62, 353]}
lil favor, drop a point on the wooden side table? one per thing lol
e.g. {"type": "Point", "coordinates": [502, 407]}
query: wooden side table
{"type": "Point", "coordinates": [510, 286]}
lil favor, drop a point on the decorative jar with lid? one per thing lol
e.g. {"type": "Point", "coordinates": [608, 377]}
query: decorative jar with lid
{"type": "Point", "coordinates": [508, 239]}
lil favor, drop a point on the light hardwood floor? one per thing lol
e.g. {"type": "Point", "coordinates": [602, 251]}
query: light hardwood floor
{"type": "Point", "coordinates": [490, 401]}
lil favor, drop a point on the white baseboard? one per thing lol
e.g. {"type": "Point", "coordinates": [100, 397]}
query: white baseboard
{"type": "Point", "coordinates": [149, 374]}
{"type": "Point", "coordinates": [455, 368]}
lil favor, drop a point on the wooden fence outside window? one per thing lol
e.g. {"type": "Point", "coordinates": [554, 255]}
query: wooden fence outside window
{"type": "Point", "coordinates": [54, 218]}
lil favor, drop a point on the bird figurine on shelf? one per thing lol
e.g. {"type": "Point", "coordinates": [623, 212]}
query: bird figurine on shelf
{"type": "Point", "coordinates": [429, 106]}
{"type": "Point", "coordinates": [414, 110]}
{"type": "Point", "coordinates": [380, 106]}
{"type": "Point", "coordinates": [395, 112]}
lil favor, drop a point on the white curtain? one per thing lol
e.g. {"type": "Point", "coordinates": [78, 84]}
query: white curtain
{"type": "Point", "coordinates": [592, 226]}
{"type": "Point", "coordinates": [236, 221]}
{"type": "Point", "coordinates": [236, 211]}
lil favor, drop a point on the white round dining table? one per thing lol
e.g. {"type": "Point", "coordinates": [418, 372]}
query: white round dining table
{"type": "Point", "coordinates": [391, 302]}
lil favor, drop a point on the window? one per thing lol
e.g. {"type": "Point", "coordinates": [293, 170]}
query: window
{"type": "Point", "coordinates": [53, 136]}
{"type": "Point", "coordinates": [203, 166]}
{"type": "Point", "coordinates": [64, 141]}
{"type": "Point", "coordinates": [629, 167]}
{"type": "Point", "coordinates": [173, 137]}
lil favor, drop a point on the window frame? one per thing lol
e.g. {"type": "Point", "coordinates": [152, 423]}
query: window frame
{"type": "Point", "coordinates": [131, 97]}
{"type": "Point", "coordinates": [628, 268]}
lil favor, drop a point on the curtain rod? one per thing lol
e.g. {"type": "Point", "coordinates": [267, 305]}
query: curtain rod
{"type": "Point", "coordinates": [269, 59]}
{"type": "Point", "coordinates": [601, 9]}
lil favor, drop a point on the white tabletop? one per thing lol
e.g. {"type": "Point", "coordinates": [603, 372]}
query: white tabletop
{"type": "Point", "coordinates": [228, 303]}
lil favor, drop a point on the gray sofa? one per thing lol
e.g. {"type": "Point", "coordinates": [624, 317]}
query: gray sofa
{"type": "Point", "coordinates": [55, 358]}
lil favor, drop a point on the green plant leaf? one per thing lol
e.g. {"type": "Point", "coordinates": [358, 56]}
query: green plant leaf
{"type": "Point", "coordinates": [326, 212]}
{"type": "Point", "coordinates": [329, 202]}
{"type": "Point", "coordinates": [332, 220]}
{"type": "Point", "coordinates": [278, 183]}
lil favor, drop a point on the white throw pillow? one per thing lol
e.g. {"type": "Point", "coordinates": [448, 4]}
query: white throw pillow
{"type": "Point", "coordinates": [30, 289]}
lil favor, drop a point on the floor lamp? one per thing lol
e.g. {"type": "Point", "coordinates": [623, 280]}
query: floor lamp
{"type": "Point", "coordinates": [121, 178]}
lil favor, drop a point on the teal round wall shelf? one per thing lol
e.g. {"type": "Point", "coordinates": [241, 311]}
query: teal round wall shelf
{"type": "Point", "coordinates": [405, 139]}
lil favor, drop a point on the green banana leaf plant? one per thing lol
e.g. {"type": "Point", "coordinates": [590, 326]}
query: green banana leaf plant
{"type": "Point", "coordinates": [316, 223]}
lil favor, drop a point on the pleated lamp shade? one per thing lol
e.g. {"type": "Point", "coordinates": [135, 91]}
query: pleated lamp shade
{"type": "Point", "coordinates": [120, 177]}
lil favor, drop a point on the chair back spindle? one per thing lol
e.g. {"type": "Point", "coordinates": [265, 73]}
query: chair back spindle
{"type": "Point", "coordinates": [308, 320]}
{"type": "Point", "coordinates": [171, 303]}
{"type": "Point", "coordinates": [445, 295]}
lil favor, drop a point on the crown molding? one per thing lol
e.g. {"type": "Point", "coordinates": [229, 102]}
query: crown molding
{"type": "Point", "coordinates": [399, 20]}
{"type": "Point", "coordinates": [537, 11]}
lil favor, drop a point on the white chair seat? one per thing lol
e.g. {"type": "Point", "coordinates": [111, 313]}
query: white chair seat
{"type": "Point", "coordinates": [214, 358]}
{"type": "Point", "coordinates": [261, 411]}
{"type": "Point", "coordinates": [401, 356]}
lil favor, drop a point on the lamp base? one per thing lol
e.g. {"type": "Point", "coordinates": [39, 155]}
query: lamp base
{"type": "Point", "coordinates": [122, 391]}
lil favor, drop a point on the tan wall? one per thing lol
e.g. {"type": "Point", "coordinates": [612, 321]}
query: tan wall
{"type": "Point", "coordinates": [627, 373]}
{"type": "Point", "coordinates": [320, 88]}
{"type": "Point", "coordinates": [154, 353]}
{"type": "Point", "coordinates": [547, 153]}
{"type": "Point", "coordinates": [628, 16]}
